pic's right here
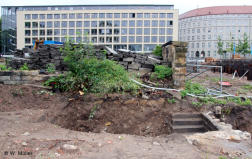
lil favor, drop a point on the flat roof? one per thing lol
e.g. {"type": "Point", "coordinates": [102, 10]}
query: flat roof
{"type": "Point", "coordinates": [95, 5]}
{"type": "Point", "coordinates": [217, 10]}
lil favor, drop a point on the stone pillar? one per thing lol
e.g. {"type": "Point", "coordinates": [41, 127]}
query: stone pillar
{"type": "Point", "coordinates": [176, 56]}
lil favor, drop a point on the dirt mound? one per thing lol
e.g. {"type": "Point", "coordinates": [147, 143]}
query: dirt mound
{"type": "Point", "coordinates": [19, 97]}
{"type": "Point", "coordinates": [240, 118]}
{"type": "Point", "coordinates": [118, 114]}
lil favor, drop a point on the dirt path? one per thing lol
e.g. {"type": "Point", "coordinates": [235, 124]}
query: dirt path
{"type": "Point", "coordinates": [45, 140]}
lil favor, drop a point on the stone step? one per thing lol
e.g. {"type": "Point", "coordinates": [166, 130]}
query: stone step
{"type": "Point", "coordinates": [187, 121]}
{"type": "Point", "coordinates": [188, 128]}
{"type": "Point", "coordinates": [186, 115]}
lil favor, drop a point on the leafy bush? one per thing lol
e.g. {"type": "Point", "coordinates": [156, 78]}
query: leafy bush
{"type": "Point", "coordinates": [59, 82]}
{"type": "Point", "coordinates": [90, 74]}
{"type": "Point", "coordinates": [50, 68]}
{"type": "Point", "coordinates": [24, 67]}
{"type": "Point", "coordinates": [158, 51]}
{"type": "Point", "coordinates": [5, 68]}
{"type": "Point", "coordinates": [161, 72]}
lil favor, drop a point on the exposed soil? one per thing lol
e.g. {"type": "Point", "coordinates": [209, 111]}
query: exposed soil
{"type": "Point", "coordinates": [240, 118]}
{"type": "Point", "coordinates": [119, 114]}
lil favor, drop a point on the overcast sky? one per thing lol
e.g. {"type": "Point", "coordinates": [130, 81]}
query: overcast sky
{"type": "Point", "coordinates": [182, 5]}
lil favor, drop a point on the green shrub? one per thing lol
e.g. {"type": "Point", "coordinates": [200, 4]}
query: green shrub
{"type": "Point", "coordinates": [50, 68]}
{"type": "Point", "coordinates": [90, 74]}
{"type": "Point", "coordinates": [5, 68]}
{"type": "Point", "coordinates": [158, 51]}
{"type": "Point", "coordinates": [161, 72]}
{"type": "Point", "coordinates": [24, 67]}
{"type": "Point", "coordinates": [193, 88]}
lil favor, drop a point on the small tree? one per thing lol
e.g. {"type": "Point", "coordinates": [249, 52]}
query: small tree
{"type": "Point", "coordinates": [230, 45]}
{"type": "Point", "coordinates": [243, 45]}
{"type": "Point", "coordinates": [220, 43]}
{"type": "Point", "coordinates": [158, 51]}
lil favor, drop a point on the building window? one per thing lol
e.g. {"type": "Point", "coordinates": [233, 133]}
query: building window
{"type": "Point", "coordinates": [94, 39]}
{"type": "Point", "coordinates": [131, 30]}
{"type": "Point", "coordinates": [146, 39]}
{"type": "Point", "coordinates": [139, 39]}
{"type": "Point", "coordinates": [139, 23]}
{"type": "Point", "coordinates": [42, 24]}
{"type": "Point", "coordinates": [79, 24]}
{"type": "Point", "coordinates": [209, 53]}
{"type": "Point", "coordinates": [63, 39]}
{"type": "Point", "coordinates": [209, 37]}
{"type": "Point", "coordinates": [209, 44]}
{"type": "Point", "coordinates": [116, 39]}
{"type": "Point", "coordinates": [139, 31]}
{"type": "Point", "coordinates": [203, 45]}
{"type": "Point", "coordinates": [169, 23]}
{"type": "Point", "coordinates": [56, 32]}
{"type": "Point", "coordinates": [49, 38]}
{"type": "Point", "coordinates": [154, 15]}
{"type": "Point", "coordinates": [101, 15]}
{"type": "Point", "coordinates": [42, 32]}
{"type": "Point", "coordinates": [27, 24]}
{"type": "Point", "coordinates": [109, 15]}
{"type": "Point", "coordinates": [169, 15]}
{"type": "Point", "coordinates": [154, 31]}
{"type": "Point", "coordinates": [72, 16]}
{"type": "Point", "coordinates": [94, 31]}
{"type": "Point", "coordinates": [86, 15]}
{"type": "Point", "coordinates": [161, 31]}
{"type": "Point", "coordinates": [63, 32]}
{"type": "Point", "coordinates": [116, 23]}
{"type": "Point", "coordinates": [198, 37]}
{"type": "Point", "coordinates": [101, 23]}
{"type": "Point", "coordinates": [109, 31]}
{"type": "Point", "coordinates": [124, 31]}
{"type": "Point", "coordinates": [124, 23]}
{"type": "Point", "coordinates": [146, 31]}
{"type": "Point", "coordinates": [42, 16]}
{"type": "Point", "coordinates": [101, 39]}
{"type": "Point", "coordinates": [27, 32]}
{"type": "Point", "coordinates": [28, 17]}
{"type": "Point", "coordinates": [101, 31]}
{"type": "Point", "coordinates": [64, 24]}
{"type": "Point", "coordinates": [146, 15]}
{"type": "Point", "coordinates": [49, 16]}
{"type": "Point", "coordinates": [49, 24]}
{"type": "Point", "coordinates": [109, 39]}
{"type": "Point", "coordinates": [56, 24]}
{"type": "Point", "coordinates": [161, 23]}
{"type": "Point", "coordinates": [162, 39]}
{"type": "Point", "coordinates": [34, 32]}
{"type": "Point", "coordinates": [34, 24]}
{"type": "Point", "coordinates": [116, 15]}
{"type": "Point", "coordinates": [124, 15]}
{"type": "Point", "coordinates": [71, 31]}
{"type": "Point", "coordinates": [109, 23]}
{"type": "Point", "coordinates": [116, 31]}
{"type": "Point", "coordinates": [56, 16]}
{"type": "Point", "coordinates": [139, 15]}
{"type": "Point", "coordinates": [64, 16]}
{"type": "Point", "coordinates": [86, 32]}
{"type": "Point", "coordinates": [132, 15]}
{"type": "Point", "coordinates": [131, 39]}
{"type": "Point", "coordinates": [197, 45]}
{"type": "Point", "coordinates": [49, 32]}
{"type": "Point", "coordinates": [124, 39]}
{"type": "Point", "coordinates": [78, 32]}
{"type": "Point", "coordinates": [154, 23]}
{"type": "Point", "coordinates": [86, 23]}
{"type": "Point", "coordinates": [27, 40]}
{"type": "Point", "coordinates": [78, 39]}
{"type": "Point", "coordinates": [154, 39]}
{"type": "Point", "coordinates": [169, 31]}
{"type": "Point", "coordinates": [34, 16]}
{"type": "Point", "coordinates": [162, 15]}
{"type": "Point", "coordinates": [71, 24]}
{"type": "Point", "coordinates": [79, 15]}
{"type": "Point", "coordinates": [146, 23]}
{"type": "Point", "coordinates": [169, 38]}
{"type": "Point", "coordinates": [131, 23]}
{"type": "Point", "coordinates": [94, 24]}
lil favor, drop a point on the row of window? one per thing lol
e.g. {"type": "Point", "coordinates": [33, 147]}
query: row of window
{"type": "Point", "coordinates": [123, 31]}
{"type": "Point", "coordinates": [109, 39]}
{"type": "Point", "coordinates": [116, 23]}
{"type": "Point", "coordinates": [98, 15]}
{"type": "Point", "coordinates": [202, 53]}
{"type": "Point", "coordinates": [202, 45]}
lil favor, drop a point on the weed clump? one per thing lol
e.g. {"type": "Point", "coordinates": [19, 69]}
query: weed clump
{"type": "Point", "coordinates": [161, 72]}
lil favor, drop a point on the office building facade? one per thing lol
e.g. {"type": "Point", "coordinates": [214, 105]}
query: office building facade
{"type": "Point", "coordinates": [202, 27]}
{"type": "Point", "coordinates": [133, 27]}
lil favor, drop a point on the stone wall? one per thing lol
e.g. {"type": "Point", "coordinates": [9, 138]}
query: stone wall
{"type": "Point", "coordinates": [174, 54]}
{"type": "Point", "coordinates": [21, 77]}
{"type": "Point", "coordinates": [47, 54]}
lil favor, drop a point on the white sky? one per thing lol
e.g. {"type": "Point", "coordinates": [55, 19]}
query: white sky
{"type": "Point", "coordinates": [182, 5]}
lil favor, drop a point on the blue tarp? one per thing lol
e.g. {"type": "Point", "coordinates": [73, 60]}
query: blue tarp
{"type": "Point", "coordinates": [49, 42]}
